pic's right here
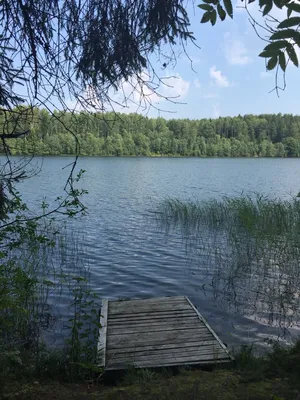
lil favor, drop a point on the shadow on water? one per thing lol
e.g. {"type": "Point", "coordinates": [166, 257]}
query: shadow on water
{"type": "Point", "coordinates": [248, 253]}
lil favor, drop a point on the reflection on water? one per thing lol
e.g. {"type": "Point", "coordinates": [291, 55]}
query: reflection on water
{"type": "Point", "coordinates": [261, 289]}
{"type": "Point", "coordinates": [251, 269]}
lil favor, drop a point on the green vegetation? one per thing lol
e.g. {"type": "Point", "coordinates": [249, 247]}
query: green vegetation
{"type": "Point", "coordinates": [119, 38]}
{"type": "Point", "coordinates": [112, 134]}
{"type": "Point", "coordinates": [282, 34]}
{"type": "Point", "coordinates": [35, 270]}
{"type": "Point", "coordinates": [258, 217]}
{"type": "Point", "coordinates": [274, 376]}
{"type": "Point", "coordinates": [31, 370]}
{"type": "Point", "coordinates": [27, 311]}
{"type": "Point", "coordinates": [251, 249]}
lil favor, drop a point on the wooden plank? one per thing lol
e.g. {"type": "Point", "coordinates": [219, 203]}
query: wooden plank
{"type": "Point", "coordinates": [167, 321]}
{"type": "Point", "coordinates": [153, 328]}
{"type": "Point", "coordinates": [160, 362]}
{"type": "Point", "coordinates": [169, 360]}
{"type": "Point", "coordinates": [150, 316]}
{"type": "Point", "coordinates": [209, 328]}
{"type": "Point", "coordinates": [155, 341]}
{"type": "Point", "coordinates": [148, 312]}
{"type": "Point", "coordinates": [141, 321]}
{"type": "Point", "coordinates": [101, 348]}
{"type": "Point", "coordinates": [168, 353]}
{"type": "Point", "coordinates": [140, 306]}
{"type": "Point", "coordinates": [136, 310]}
{"type": "Point", "coordinates": [200, 357]}
{"type": "Point", "coordinates": [148, 302]}
{"type": "Point", "coordinates": [162, 347]}
{"type": "Point", "coordinates": [157, 337]}
{"type": "Point", "coordinates": [195, 333]}
{"type": "Point", "coordinates": [151, 300]}
{"type": "Point", "coordinates": [118, 366]}
{"type": "Point", "coordinates": [157, 332]}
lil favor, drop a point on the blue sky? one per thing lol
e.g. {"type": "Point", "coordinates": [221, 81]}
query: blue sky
{"type": "Point", "coordinates": [229, 77]}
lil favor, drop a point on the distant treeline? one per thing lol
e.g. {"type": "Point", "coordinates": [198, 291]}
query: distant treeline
{"type": "Point", "coordinates": [109, 134]}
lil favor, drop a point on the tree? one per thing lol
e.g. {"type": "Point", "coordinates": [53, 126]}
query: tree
{"type": "Point", "coordinates": [53, 52]}
{"type": "Point", "coordinates": [283, 36]}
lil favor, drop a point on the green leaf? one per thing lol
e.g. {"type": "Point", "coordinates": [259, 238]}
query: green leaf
{"type": "Point", "coordinates": [205, 17]}
{"type": "Point", "coordinates": [289, 12]}
{"type": "Point", "coordinates": [274, 46]}
{"type": "Point", "coordinates": [211, 1]}
{"type": "Point", "coordinates": [278, 3]}
{"type": "Point", "coordinates": [267, 54]}
{"type": "Point", "coordinates": [263, 3]}
{"type": "Point", "coordinates": [228, 7]}
{"type": "Point", "coordinates": [221, 12]}
{"type": "Point", "coordinates": [286, 34]}
{"type": "Point", "coordinates": [292, 54]}
{"type": "Point", "coordinates": [267, 9]}
{"type": "Point", "coordinates": [282, 61]}
{"type": "Point", "coordinates": [205, 7]}
{"type": "Point", "coordinates": [272, 63]}
{"type": "Point", "coordinates": [294, 7]}
{"type": "Point", "coordinates": [213, 17]}
{"type": "Point", "coordinates": [287, 23]}
{"type": "Point", "coordinates": [296, 38]}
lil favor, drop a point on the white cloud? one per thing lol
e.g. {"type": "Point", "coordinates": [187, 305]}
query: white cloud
{"type": "Point", "coordinates": [137, 95]}
{"type": "Point", "coordinates": [197, 83]}
{"type": "Point", "coordinates": [235, 51]}
{"type": "Point", "coordinates": [218, 78]}
{"type": "Point", "coordinates": [174, 86]}
{"type": "Point", "coordinates": [216, 110]}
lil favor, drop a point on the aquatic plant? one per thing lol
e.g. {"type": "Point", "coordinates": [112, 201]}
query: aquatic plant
{"type": "Point", "coordinates": [250, 247]}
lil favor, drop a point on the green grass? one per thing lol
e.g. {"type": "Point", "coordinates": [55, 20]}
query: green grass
{"type": "Point", "coordinates": [239, 232]}
{"type": "Point", "coordinates": [274, 376]}
{"type": "Point", "coordinates": [30, 289]}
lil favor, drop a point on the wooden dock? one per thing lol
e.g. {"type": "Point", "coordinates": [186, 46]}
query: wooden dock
{"type": "Point", "coordinates": [157, 332]}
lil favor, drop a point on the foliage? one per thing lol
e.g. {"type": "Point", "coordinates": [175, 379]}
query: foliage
{"type": "Point", "coordinates": [113, 134]}
{"type": "Point", "coordinates": [56, 52]}
{"type": "Point", "coordinates": [283, 36]}
{"type": "Point", "coordinates": [65, 48]}
{"type": "Point", "coordinates": [279, 362]}
{"type": "Point", "coordinates": [253, 377]}
{"type": "Point", "coordinates": [33, 271]}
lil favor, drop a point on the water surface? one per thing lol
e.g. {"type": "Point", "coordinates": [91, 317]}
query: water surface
{"type": "Point", "coordinates": [129, 255]}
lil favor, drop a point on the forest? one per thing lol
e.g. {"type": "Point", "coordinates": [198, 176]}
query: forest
{"type": "Point", "coordinates": [114, 134]}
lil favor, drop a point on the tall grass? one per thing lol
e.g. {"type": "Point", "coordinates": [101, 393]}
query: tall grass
{"type": "Point", "coordinates": [259, 216]}
{"type": "Point", "coordinates": [250, 248]}
{"type": "Point", "coordinates": [39, 280]}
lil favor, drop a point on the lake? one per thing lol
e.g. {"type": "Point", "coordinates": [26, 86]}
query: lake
{"type": "Point", "coordinates": [130, 255]}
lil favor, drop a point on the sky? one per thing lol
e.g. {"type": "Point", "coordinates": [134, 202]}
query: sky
{"type": "Point", "coordinates": [227, 77]}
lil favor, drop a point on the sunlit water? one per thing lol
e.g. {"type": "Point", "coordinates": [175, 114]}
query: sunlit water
{"type": "Point", "coordinates": [129, 255]}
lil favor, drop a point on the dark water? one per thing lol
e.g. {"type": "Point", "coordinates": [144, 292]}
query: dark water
{"type": "Point", "coordinates": [129, 255]}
